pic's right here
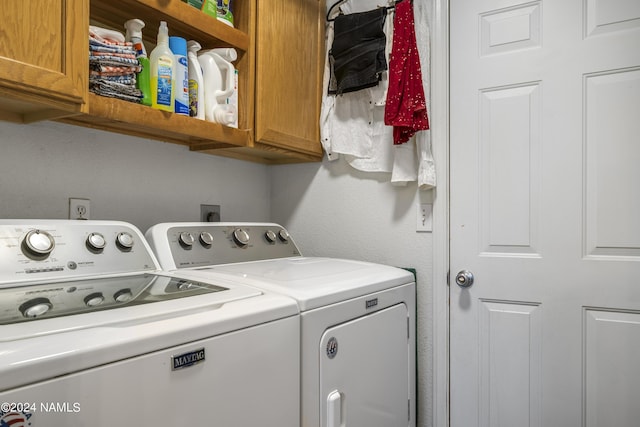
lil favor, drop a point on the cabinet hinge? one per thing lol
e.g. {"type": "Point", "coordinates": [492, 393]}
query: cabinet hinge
{"type": "Point", "coordinates": [448, 277]}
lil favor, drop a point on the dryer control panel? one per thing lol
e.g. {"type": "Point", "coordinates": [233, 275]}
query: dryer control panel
{"type": "Point", "coordinates": [37, 250]}
{"type": "Point", "coordinates": [189, 245]}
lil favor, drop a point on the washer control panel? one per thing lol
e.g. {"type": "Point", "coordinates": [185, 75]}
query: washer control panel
{"type": "Point", "coordinates": [196, 245]}
{"type": "Point", "coordinates": [46, 300]}
{"type": "Point", "coordinates": [51, 249]}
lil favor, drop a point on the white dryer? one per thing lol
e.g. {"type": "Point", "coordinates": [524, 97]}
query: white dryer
{"type": "Point", "coordinates": [357, 318]}
{"type": "Point", "coordinates": [92, 333]}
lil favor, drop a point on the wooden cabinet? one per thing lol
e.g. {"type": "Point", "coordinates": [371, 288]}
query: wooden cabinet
{"type": "Point", "coordinates": [43, 59]}
{"type": "Point", "coordinates": [289, 64]}
{"type": "Point", "coordinates": [288, 43]}
{"type": "Point", "coordinates": [279, 42]}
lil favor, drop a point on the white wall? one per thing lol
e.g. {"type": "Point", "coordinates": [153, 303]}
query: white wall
{"type": "Point", "coordinates": [130, 179]}
{"type": "Point", "coordinates": [333, 210]}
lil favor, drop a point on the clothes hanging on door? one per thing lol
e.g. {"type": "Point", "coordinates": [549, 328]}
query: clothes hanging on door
{"type": "Point", "coordinates": [406, 108]}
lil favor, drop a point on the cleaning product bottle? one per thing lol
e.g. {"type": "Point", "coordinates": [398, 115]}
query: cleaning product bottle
{"type": "Point", "coordinates": [219, 9]}
{"type": "Point", "coordinates": [196, 81]}
{"type": "Point", "coordinates": [230, 54]}
{"type": "Point", "coordinates": [134, 35]}
{"type": "Point", "coordinates": [178, 46]}
{"type": "Point", "coordinates": [162, 72]}
{"type": "Point", "coordinates": [224, 12]}
{"type": "Point", "coordinates": [219, 75]}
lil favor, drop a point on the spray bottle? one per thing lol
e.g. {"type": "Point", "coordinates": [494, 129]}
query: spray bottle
{"type": "Point", "coordinates": [163, 72]}
{"type": "Point", "coordinates": [196, 81]}
{"type": "Point", "coordinates": [134, 35]}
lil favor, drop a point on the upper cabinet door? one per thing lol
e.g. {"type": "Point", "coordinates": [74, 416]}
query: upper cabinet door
{"type": "Point", "coordinates": [289, 64]}
{"type": "Point", "coordinates": [43, 58]}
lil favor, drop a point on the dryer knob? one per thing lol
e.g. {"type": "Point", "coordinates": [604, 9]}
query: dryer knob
{"type": "Point", "coordinates": [206, 239]}
{"type": "Point", "coordinates": [96, 242]}
{"type": "Point", "coordinates": [284, 236]}
{"type": "Point", "coordinates": [35, 307]}
{"type": "Point", "coordinates": [124, 241]}
{"type": "Point", "coordinates": [38, 243]}
{"type": "Point", "coordinates": [186, 239]}
{"type": "Point", "coordinates": [241, 237]}
{"type": "Point", "coordinates": [270, 236]}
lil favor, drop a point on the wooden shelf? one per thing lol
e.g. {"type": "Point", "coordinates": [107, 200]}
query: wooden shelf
{"type": "Point", "coordinates": [124, 117]}
{"type": "Point", "coordinates": [182, 19]}
{"type": "Point", "coordinates": [114, 115]}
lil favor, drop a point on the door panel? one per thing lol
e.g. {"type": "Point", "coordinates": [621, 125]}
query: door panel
{"type": "Point", "coordinates": [544, 211]}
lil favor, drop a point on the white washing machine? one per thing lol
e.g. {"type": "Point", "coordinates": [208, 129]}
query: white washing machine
{"type": "Point", "coordinates": [92, 333]}
{"type": "Point", "coordinates": [357, 318]}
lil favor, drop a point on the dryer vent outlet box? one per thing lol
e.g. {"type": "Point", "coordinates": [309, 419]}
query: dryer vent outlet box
{"type": "Point", "coordinates": [210, 213]}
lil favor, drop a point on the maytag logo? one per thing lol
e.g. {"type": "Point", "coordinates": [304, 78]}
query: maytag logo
{"type": "Point", "coordinates": [186, 360]}
{"type": "Point", "coordinates": [370, 303]}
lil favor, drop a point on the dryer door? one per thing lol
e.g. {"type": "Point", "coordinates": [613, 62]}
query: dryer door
{"type": "Point", "coordinates": [364, 371]}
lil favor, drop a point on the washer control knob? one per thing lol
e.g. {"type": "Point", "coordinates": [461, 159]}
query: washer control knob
{"type": "Point", "coordinates": [38, 243]}
{"type": "Point", "coordinates": [94, 299]}
{"type": "Point", "coordinates": [35, 307]}
{"type": "Point", "coordinates": [241, 237]}
{"type": "Point", "coordinates": [186, 239]}
{"type": "Point", "coordinates": [124, 241]}
{"type": "Point", "coordinates": [284, 236]}
{"type": "Point", "coordinates": [185, 285]}
{"type": "Point", "coordinates": [270, 236]}
{"type": "Point", "coordinates": [206, 239]}
{"type": "Point", "coordinates": [96, 242]}
{"type": "Point", "coordinates": [123, 295]}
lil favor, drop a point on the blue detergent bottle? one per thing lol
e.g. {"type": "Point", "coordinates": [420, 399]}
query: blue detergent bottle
{"type": "Point", "coordinates": [178, 46]}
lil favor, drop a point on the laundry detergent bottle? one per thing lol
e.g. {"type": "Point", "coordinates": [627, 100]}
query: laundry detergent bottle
{"type": "Point", "coordinates": [196, 81]}
{"type": "Point", "coordinates": [219, 84]}
{"type": "Point", "coordinates": [162, 72]}
{"type": "Point", "coordinates": [178, 46]}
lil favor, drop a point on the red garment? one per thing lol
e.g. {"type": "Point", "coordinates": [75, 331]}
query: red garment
{"type": "Point", "coordinates": [406, 108]}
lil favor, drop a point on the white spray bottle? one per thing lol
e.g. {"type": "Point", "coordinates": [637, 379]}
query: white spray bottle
{"type": "Point", "coordinates": [134, 35]}
{"type": "Point", "coordinates": [196, 81]}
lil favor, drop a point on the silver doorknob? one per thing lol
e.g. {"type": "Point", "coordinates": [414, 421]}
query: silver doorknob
{"type": "Point", "coordinates": [464, 279]}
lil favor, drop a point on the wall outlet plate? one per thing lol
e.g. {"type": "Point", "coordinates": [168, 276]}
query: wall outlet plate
{"type": "Point", "coordinates": [424, 220]}
{"type": "Point", "coordinates": [79, 208]}
{"type": "Point", "coordinates": [210, 213]}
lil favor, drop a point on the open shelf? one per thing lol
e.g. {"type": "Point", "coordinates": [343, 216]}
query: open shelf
{"type": "Point", "coordinates": [181, 18]}
{"type": "Point", "coordinates": [115, 115]}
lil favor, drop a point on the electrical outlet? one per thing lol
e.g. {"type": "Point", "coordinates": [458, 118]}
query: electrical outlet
{"type": "Point", "coordinates": [79, 208]}
{"type": "Point", "coordinates": [424, 217]}
{"type": "Point", "coordinates": [210, 213]}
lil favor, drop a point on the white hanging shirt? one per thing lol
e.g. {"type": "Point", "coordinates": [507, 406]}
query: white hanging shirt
{"type": "Point", "coordinates": [352, 124]}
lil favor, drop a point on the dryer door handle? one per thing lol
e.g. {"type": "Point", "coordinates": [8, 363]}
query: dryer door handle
{"type": "Point", "coordinates": [334, 409]}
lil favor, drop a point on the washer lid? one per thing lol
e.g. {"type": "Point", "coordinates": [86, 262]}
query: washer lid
{"type": "Point", "coordinates": [313, 281]}
{"type": "Point", "coordinates": [32, 351]}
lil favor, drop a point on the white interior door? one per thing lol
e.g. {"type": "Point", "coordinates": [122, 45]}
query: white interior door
{"type": "Point", "coordinates": [545, 212]}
